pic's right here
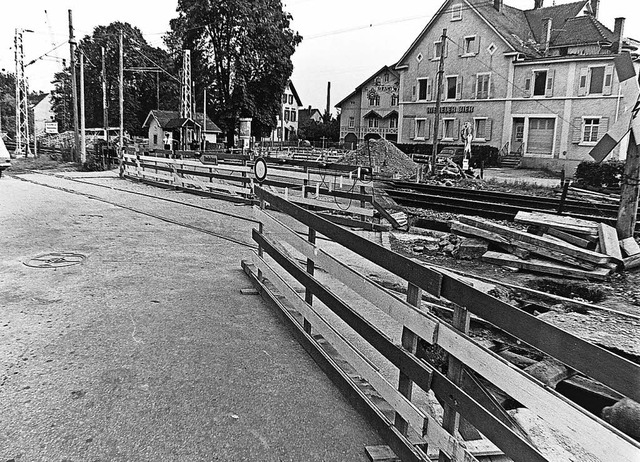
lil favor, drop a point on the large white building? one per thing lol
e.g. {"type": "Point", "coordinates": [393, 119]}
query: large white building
{"type": "Point", "coordinates": [539, 84]}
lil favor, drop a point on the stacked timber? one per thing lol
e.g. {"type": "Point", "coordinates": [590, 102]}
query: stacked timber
{"type": "Point", "coordinates": [555, 245]}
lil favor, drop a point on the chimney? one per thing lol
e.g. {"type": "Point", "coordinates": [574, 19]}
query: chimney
{"type": "Point", "coordinates": [546, 33]}
{"type": "Point", "coordinates": [497, 4]}
{"type": "Point", "coordinates": [538, 4]}
{"type": "Point", "coordinates": [328, 98]}
{"type": "Point", "coordinates": [595, 7]}
{"type": "Point", "coordinates": [618, 32]}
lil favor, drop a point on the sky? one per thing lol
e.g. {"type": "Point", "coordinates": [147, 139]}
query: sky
{"type": "Point", "coordinates": [344, 41]}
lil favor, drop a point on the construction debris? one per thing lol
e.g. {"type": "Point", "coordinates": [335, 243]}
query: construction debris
{"type": "Point", "coordinates": [384, 158]}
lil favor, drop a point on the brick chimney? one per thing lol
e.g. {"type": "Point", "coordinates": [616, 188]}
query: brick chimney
{"type": "Point", "coordinates": [618, 32]}
{"type": "Point", "coordinates": [595, 7]}
{"type": "Point", "coordinates": [497, 4]}
{"type": "Point", "coordinates": [538, 4]}
{"type": "Point", "coordinates": [546, 33]}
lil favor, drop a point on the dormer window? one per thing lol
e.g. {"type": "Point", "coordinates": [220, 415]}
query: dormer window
{"type": "Point", "coordinates": [456, 12]}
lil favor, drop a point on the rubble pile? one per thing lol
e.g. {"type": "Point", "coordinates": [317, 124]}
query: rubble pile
{"type": "Point", "coordinates": [385, 158]}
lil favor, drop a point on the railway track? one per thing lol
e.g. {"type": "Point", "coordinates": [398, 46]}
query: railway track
{"type": "Point", "coordinates": [491, 204]}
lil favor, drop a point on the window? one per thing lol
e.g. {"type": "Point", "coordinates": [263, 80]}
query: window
{"type": "Point", "coordinates": [452, 87]}
{"type": "Point", "coordinates": [482, 86]}
{"type": "Point", "coordinates": [480, 129]}
{"type": "Point", "coordinates": [596, 82]}
{"type": "Point", "coordinates": [590, 131]}
{"type": "Point", "coordinates": [393, 122]}
{"type": "Point", "coordinates": [448, 128]}
{"type": "Point", "coordinates": [394, 100]}
{"type": "Point", "coordinates": [155, 139]}
{"type": "Point", "coordinates": [352, 122]}
{"type": "Point", "coordinates": [539, 83]}
{"type": "Point", "coordinates": [456, 12]}
{"type": "Point", "coordinates": [286, 115]}
{"type": "Point", "coordinates": [470, 46]}
{"type": "Point", "coordinates": [293, 115]}
{"type": "Point", "coordinates": [437, 50]}
{"type": "Point", "coordinates": [373, 122]}
{"type": "Point", "coordinates": [422, 89]}
{"type": "Point", "coordinates": [421, 128]}
{"type": "Point", "coordinates": [386, 77]}
{"type": "Point", "coordinates": [284, 99]}
{"type": "Point", "coordinates": [290, 99]}
{"type": "Point", "coordinates": [374, 100]}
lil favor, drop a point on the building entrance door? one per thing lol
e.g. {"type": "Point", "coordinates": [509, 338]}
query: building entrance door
{"type": "Point", "coordinates": [541, 135]}
{"type": "Point", "coordinates": [517, 136]}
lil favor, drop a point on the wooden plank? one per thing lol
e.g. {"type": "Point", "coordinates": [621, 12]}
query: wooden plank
{"type": "Point", "coordinates": [403, 312]}
{"type": "Point", "coordinates": [547, 267]}
{"type": "Point", "coordinates": [631, 262]}
{"type": "Point", "coordinates": [400, 445]}
{"type": "Point", "coordinates": [469, 230]}
{"type": "Point", "coordinates": [551, 245]}
{"type": "Point", "coordinates": [612, 370]}
{"type": "Point", "coordinates": [561, 222]}
{"type": "Point", "coordinates": [630, 247]}
{"type": "Point", "coordinates": [568, 237]}
{"type": "Point", "coordinates": [557, 411]}
{"type": "Point", "coordinates": [425, 278]}
{"type": "Point", "coordinates": [608, 239]}
{"type": "Point", "coordinates": [416, 369]}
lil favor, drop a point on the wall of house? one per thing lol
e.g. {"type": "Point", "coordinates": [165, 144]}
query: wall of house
{"type": "Point", "coordinates": [350, 108]}
{"type": "Point", "coordinates": [43, 113]}
{"type": "Point", "coordinates": [486, 57]}
{"type": "Point", "coordinates": [569, 100]}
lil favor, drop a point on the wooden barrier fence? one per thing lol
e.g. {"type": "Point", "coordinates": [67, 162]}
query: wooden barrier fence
{"type": "Point", "coordinates": [335, 191]}
{"type": "Point", "coordinates": [461, 389]}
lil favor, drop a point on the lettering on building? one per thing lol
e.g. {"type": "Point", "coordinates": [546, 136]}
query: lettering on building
{"type": "Point", "coordinates": [452, 110]}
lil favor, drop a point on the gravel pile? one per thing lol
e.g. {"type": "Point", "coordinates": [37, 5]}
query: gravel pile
{"type": "Point", "coordinates": [386, 159]}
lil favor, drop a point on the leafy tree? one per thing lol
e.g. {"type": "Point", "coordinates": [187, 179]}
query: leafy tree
{"type": "Point", "coordinates": [241, 51]}
{"type": "Point", "coordinates": [329, 129]}
{"type": "Point", "coordinates": [8, 103]}
{"type": "Point", "coordinates": [139, 88]}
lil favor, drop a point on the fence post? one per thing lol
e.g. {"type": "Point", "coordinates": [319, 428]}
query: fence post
{"type": "Point", "coordinates": [410, 343]}
{"type": "Point", "coordinates": [308, 296]}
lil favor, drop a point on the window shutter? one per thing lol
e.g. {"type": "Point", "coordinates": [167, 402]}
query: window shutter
{"type": "Point", "coordinates": [478, 44]}
{"type": "Point", "coordinates": [412, 128]}
{"type": "Point", "coordinates": [551, 73]}
{"type": "Point", "coordinates": [582, 83]}
{"type": "Point", "coordinates": [459, 88]}
{"type": "Point", "coordinates": [577, 130]}
{"type": "Point", "coordinates": [429, 89]}
{"type": "Point", "coordinates": [527, 87]}
{"type": "Point", "coordinates": [427, 133]}
{"type": "Point", "coordinates": [461, 44]}
{"type": "Point", "coordinates": [608, 80]}
{"type": "Point", "coordinates": [487, 129]}
{"type": "Point", "coordinates": [441, 130]}
{"type": "Point", "coordinates": [474, 83]}
{"type": "Point", "coordinates": [604, 127]}
{"type": "Point", "coordinates": [492, 89]}
{"type": "Point", "coordinates": [456, 133]}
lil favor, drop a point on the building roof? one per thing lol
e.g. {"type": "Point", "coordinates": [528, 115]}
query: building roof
{"type": "Point", "coordinates": [359, 87]}
{"type": "Point", "coordinates": [522, 30]}
{"type": "Point", "coordinates": [295, 92]}
{"type": "Point", "coordinates": [307, 114]}
{"type": "Point", "coordinates": [171, 119]}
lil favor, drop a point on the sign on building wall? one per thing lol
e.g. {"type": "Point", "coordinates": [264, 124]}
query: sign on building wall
{"type": "Point", "coordinates": [51, 128]}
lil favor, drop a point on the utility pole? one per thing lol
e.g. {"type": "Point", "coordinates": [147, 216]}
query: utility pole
{"type": "Point", "coordinates": [204, 120]}
{"type": "Point", "coordinates": [22, 101]}
{"type": "Point", "coordinates": [121, 92]}
{"type": "Point", "coordinates": [83, 139]}
{"type": "Point", "coordinates": [74, 85]}
{"type": "Point", "coordinates": [105, 111]}
{"type": "Point", "coordinates": [436, 118]}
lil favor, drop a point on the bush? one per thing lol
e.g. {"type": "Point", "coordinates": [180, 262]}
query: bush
{"type": "Point", "coordinates": [603, 175]}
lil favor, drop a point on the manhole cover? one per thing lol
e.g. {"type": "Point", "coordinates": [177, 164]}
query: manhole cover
{"type": "Point", "coordinates": [56, 260]}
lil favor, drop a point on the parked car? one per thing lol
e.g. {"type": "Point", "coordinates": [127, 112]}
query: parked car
{"type": "Point", "coordinates": [5, 158]}
{"type": "Point", "coordinates": [449, 153]}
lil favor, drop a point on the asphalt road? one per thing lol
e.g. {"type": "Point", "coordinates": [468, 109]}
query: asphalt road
{"type": "Point", "coordinates": [148, 350]}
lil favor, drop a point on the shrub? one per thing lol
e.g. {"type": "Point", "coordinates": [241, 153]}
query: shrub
{"type": "Point", "coordinates": [487, 153]}
{"type": "Point", "coordinates": [603, 175]}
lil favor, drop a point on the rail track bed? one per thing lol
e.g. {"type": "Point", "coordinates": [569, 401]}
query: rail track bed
{"type": "Point", "coordinates": [492, 204]}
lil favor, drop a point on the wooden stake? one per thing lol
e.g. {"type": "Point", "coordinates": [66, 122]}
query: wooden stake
{"type": "Point", "coordinates": [629, 194]}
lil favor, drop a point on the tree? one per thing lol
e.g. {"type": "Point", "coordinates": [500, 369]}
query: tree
{"type": "Point", "coordinates": [139, 88]}
{"type": "Point", "coordinates": [8, 103]}
{"type": "Point", "coordinates": [241, 50]}
{"type": "Point", "coordinates": [328, 129]}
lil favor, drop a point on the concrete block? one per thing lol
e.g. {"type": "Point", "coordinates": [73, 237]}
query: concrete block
{"type": "Point", "coordinates": [471, 249]}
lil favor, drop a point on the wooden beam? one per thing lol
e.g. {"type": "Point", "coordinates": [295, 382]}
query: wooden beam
{"type": "Point", "coordinates": [568, 237]}
{"type": "Point", "coordinates": [547, 267]}
{"type": "Point", "coordinates": [609, 244]}
{"type": "Point", "coordinates": [561, 222]}
{"type": "Point", "coordinates": [628, 209]}
{"type": "Point", "coordinates": [630, 247]}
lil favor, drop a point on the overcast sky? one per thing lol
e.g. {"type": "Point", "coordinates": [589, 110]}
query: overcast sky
{"type": "Point", "coordinates": [345, 41]}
